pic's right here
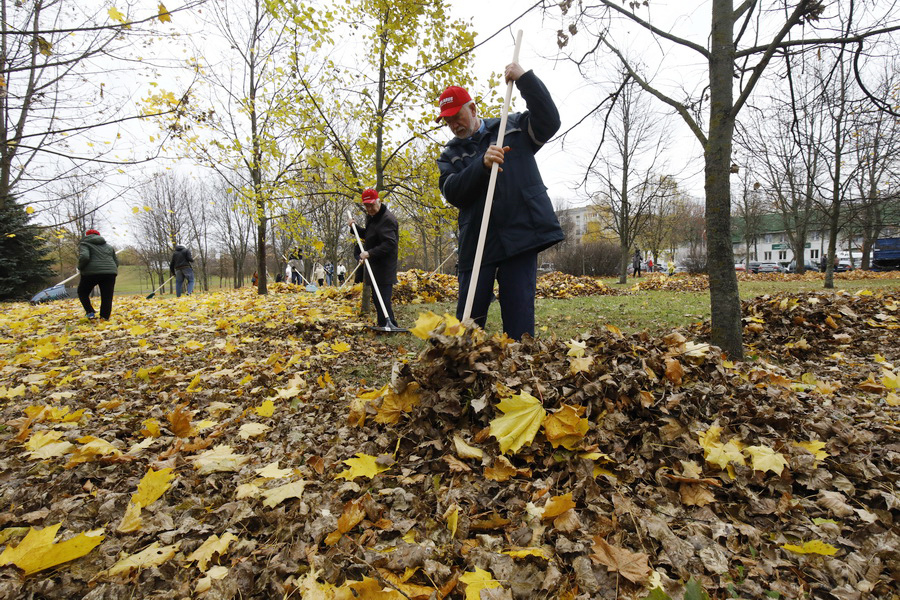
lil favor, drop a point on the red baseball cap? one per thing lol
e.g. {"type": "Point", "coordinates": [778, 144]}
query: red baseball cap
{"type": "Point", "coordinates": [369, 196]}
{"type": "Point", "coordinates": [453, 99]}
{"type": "Point", "coordinates": [91, 232]}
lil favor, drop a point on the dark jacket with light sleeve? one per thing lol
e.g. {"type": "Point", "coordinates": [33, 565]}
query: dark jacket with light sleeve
{"type": "Point", "coordinates": [382, 240]}
{"type": "Point", "coordinates": [522, 217]}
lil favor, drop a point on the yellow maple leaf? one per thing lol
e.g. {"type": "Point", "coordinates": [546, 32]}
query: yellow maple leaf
{"type": "Point", "coordinates": [277, 495]}
{"type": "Point", "coordinates": [525, 552]}
{"type": "Point", "coordinates": [92, 448]}
{"type": "Point", "coordinates": [580, 365]}
{"type": "Point", "coordinates": [889, 379]}
{"type": "Point", "coordinates": [153, 556]}
{"type": "Point", "coordinates": [266, 409]}
{"type": "Point", "coordinates": [340, 347]}
{"type": "Point", "coordinates": [477, 581]}
{"type": "Point", "coordinates": [249, 430]}
{"type": "Point", "coordinates": [164, 17]}
{"type": "Point", "coordinates": [766, 459]}
{"type": "Point", "coordinates": [212, 546]}
{"type": "Point", "coordinates": [131, 520]}
{"type": "Point", "coordinates": [557, 505]}
{"type": "Point", "coordinates": [395, 405]}
{"type": "Point", "coordinates": [271, 471]}
{"type": "Point", "coordinates": [565, 427]}
{"type": "Point", "coordinates": [153, 485]}
{"type": "Point", "coordinates": [815, 447]}
{"type": "Point", "coordinates": [151, 428]}
{"type": "Point", "coordinates": [204, 584]}
{"type": "Point", "coordinates": [37, 551]}
{"type": "Point", "coordinates": [425, 324]}
{"type": "Point", "coordinates": [220, 459]}
{"type": "Point", "coordinates": [39, 439]}
{"type": "Point", "coordinates": [576, 349]}
{"type": "Point", "coordinates": [452, 517]}
{"type": "Point", "coordinates": [812, 547]}
{"type": "Point", "coordinates": [521, 420]}
{"type": "Point", "coordinates": [363, 465]}
{"type": "Point", "coordinates": [464, 450]}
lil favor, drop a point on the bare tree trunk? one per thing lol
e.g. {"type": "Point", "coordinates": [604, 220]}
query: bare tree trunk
{"type": "Point", "coordinates": [725, 302]}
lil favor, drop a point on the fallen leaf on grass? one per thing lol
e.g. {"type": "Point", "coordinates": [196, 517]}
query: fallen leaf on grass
{"type": "Point", "coordinates": [38, 551]}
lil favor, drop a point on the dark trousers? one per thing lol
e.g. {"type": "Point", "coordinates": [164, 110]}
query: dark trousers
{"type": "Point", "coordinates": [387, 290]}
{"type": "Point", "coordinates": [517, 280]}
{"type": "Point", "coordinates": [107, 283]}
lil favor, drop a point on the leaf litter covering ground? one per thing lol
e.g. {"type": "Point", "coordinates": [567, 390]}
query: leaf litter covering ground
{"type": "Point", "coordinates": [217, 443]}
{"type": "Point", "coordinates": [418, 287]}
{"type": "Point", "coordinates": [683, 282]}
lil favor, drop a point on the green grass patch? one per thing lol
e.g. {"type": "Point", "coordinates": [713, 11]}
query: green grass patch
{"type": "Point", "coordinates": [654, 311]}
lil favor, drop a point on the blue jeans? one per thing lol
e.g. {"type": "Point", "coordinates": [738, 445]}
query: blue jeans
{"type": "Point", "coordinates": [180, 276]}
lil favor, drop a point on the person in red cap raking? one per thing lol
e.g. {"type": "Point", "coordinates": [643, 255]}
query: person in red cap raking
{"type": "Point", "coordinates": [522, 220]}
{"type": "Point", "coordinates": [98, 266]}
{"type": "Point", "coordinates": [381, 240]}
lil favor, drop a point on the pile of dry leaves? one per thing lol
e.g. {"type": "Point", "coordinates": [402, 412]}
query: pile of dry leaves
{"type": "Point", "coordinates": [680, 282]}
{"type": "Point", "coordinates": [423, 287]}
{"type": "Point", "coordinates": [227, 446]}
{"type": "Point", "coordinates": [562, 285]}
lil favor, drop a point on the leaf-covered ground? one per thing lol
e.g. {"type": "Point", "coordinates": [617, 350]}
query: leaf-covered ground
{"type": "Point", "coordinates": [230, 443]}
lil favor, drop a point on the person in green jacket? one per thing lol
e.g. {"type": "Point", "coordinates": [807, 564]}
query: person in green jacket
{"type": "Point", "coordinates": [98, 266]}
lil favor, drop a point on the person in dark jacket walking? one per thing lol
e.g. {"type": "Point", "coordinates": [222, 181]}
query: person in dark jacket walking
{"type": "Point", "coordinates": [180, 267]}
{"type": "Point", "coordinates": [381, 241]}
{"type": "Point", "coordinates": [636, 263]}
{"type": "Point", "coordinates": [522, 220]}
{"type": "Point", "coordinates": [99, 266]}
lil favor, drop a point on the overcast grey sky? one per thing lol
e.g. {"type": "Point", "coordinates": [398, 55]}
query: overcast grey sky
{"type": "Point", "coordinates": [562, 163]}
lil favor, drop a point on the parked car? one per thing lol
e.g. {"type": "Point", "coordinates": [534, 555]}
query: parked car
{"type": "Point", "coordinates": [843, 265]}
{"type": "Point", "coordinates": [546, 267]}
{"type": "Point", "coordinates": [769, 267]}
{"type": "Point", "coordinates": [739, 267]}
{"type": "Point", "coordinates": [753, 266]}
{"type": "Point", "coordinates": [792, 268]}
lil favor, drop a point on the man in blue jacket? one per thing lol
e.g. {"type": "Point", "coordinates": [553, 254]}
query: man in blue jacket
{"type": "Point", "coordinates": [522, 221]}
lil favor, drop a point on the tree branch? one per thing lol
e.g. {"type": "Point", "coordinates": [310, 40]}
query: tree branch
{"type": "Point", "coordinates": [663, 34]}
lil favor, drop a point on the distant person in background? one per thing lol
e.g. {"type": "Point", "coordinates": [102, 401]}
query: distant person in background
{"type": "Point", "coordinates": [99, 266]}
{"type": "Point", "coordinates": [319, 274]}
{"type": "Point", "coordinates": [180, 267]}
{"type": "Point", "coordinates": [671, 267]}
{"type": "Point", "coordinates": [650, 265]}
{"type": "Point", "coordinates": [329, 272]}
{"type": "Point", "coordinates": [255, 279]}
{"type": "Point", "coordinates": [636, 263]}
{"type": "Point", "coordinates": [288, 273]}
{"type": "Point", "coordinates": [296, 263]}
{"type": "Point", "coordinates": [341, 273]}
